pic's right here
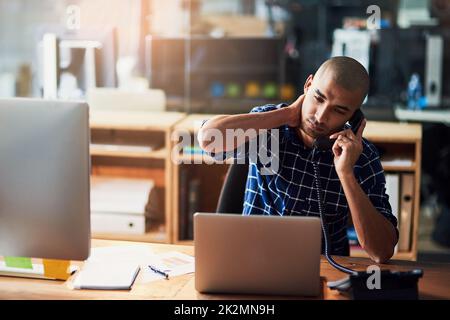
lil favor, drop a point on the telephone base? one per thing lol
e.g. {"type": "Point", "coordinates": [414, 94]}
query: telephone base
{"type": "Point", "coordinates": [393, 285]}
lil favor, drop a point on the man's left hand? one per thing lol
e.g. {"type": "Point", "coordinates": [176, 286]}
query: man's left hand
{"type": "Point", "coordinates": [347, 148]}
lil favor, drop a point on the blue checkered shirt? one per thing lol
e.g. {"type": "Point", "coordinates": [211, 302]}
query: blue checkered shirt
{"type": "Point", "coordinates": [291, 192]}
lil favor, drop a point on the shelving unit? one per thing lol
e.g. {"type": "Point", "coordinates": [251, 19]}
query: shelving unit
{"type": "Point", "coordinates": [401, 143]}
{"type": "Point", "coordinates": [400, 152]}
{"type": "Point", "coordinates": [211, 176]}
{"type": "Point", "coordinates": [136, 145]}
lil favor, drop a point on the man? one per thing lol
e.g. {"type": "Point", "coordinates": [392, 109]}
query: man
{"type": "Point", "coordinates": [350, 173]}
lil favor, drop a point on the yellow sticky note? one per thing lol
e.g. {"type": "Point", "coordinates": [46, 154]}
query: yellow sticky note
{"type": "Point", "coordinates": [57, 269]}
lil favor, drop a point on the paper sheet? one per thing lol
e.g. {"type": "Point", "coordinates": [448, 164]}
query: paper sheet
{"type": "Point", "coordinates": [175, 263]}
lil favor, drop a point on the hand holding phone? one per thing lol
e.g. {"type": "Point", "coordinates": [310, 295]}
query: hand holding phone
{"type": "Point", "coordinates": [326, 143]}
{"type": "Point", "coordinates": [347, 149]}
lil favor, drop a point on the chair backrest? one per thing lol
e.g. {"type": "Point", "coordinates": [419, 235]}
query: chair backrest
{"type": "Point", "coordinates": [231, 198]}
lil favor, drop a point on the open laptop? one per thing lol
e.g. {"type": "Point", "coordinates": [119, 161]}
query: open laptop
{"type": "Point", "coordinates": [257, 254]}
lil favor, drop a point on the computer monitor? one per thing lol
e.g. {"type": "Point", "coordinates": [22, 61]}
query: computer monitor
{"type": "Point", "coordinates": [402, 52]}
{"type": "Point", "coordinates": [44, 179]}
{"type": "Point", "coordinates": [81, 60]}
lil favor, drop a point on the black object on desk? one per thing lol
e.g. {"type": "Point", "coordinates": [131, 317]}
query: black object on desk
{"type": "Point", "coordinates": [394, 285]}
{"type": "Point", "coordinates": [161, 272]}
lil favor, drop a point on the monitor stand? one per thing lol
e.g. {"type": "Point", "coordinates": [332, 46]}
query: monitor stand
{"type": "Point", "coordinates": [36, 273]}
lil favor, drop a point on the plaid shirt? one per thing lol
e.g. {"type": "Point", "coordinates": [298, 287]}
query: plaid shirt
{"type": "Point", "coordinates": [291, 190]}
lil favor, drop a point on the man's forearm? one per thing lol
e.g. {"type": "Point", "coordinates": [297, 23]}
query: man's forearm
{"type": "Point", "coordinates": [256, 121]}
{"type": "Point", "coordinates": [375, 233]}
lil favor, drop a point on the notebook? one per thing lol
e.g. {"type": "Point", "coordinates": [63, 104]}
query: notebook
{"type": "Point", "coordinates": [107, 276]}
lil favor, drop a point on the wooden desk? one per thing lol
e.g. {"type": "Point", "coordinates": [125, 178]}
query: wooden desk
{"type": "Point", "coordinates": [435, 283]}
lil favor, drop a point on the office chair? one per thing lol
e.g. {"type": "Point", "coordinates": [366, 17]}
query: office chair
{"type": "Point", "coordinates": [231, 199]}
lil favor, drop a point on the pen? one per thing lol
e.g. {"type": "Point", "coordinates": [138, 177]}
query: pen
{"type": "Point", "coordinates": [165, 274]}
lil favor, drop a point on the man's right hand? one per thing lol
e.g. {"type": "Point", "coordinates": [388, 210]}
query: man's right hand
{"type": "Point", "coordinates": [295, 114]}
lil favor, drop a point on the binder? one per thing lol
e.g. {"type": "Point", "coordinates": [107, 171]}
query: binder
{"type": "Point", "coordinates": [406, 211]}
{"type": "Point", "coordinates": [193, 205]}
{"type": "Point", "coordinates": [111, 194]}
{"type": "Point", "coordinates": [183, 204]}
{"type": "Point", "coordinates": [393, 191]}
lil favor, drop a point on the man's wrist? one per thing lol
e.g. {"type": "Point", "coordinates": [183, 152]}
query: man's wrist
{"type": "Point", "coordinates": [346, 175]}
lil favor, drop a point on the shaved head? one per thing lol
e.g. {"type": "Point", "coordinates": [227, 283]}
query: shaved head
{"type": "Point", "coordinates": [347, 73]}
{"type": "Point", "coordinates": [331, 97]}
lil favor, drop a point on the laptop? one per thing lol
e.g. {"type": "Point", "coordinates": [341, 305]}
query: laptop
{"type": "Point", "coordinates": [271, 255]}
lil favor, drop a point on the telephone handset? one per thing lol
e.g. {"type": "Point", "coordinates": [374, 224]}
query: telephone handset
{"type": "Point", "coordinates": [325, 143]}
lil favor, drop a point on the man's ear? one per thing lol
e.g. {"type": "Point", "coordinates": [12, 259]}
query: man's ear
{"type": "Point", "coordinates": [308, 83]}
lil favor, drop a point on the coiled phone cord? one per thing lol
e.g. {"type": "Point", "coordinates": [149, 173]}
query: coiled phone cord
{"type": "Point", "coordinates": [322, 220]}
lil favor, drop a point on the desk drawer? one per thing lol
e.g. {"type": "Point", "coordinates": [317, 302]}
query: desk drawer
{"type": "Point", "coordinates": [118, 223]}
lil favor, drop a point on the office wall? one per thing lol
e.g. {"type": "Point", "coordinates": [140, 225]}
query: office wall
{"type": "Point", "coordinates": [20, 20]}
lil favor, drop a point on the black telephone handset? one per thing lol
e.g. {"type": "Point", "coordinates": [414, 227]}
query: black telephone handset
{"type": "Point", "coordinates": [325, 143]}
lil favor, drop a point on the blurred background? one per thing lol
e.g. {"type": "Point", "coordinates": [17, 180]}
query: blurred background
{"type": "Point", "coordinates": [227, 56]}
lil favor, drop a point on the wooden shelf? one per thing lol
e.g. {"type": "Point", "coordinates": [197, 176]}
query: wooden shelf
{"type": "Point", "coordinates": [392, 132]}
{"type": "Point", "coordinates": [134, 120]}
{"type": "Point", "coordinates": [192, 122]}
{"type": "Point", "coordinates": [159, 154]}
{"type": "Point", "coordinates": [427, 115]}
{"type": "Point", "coordinates": [410, 168]}
{"type": "Point", "coordinates": [375, 131]}
{"type": "Point", "coordinates": [154, 235]}
{"type": "Point", "coordinates": [185, 242]}
{"type": "Point", "coordinates": [201, 159]}
{"type": "Point", "coordinates": [397, 256]}
{"type": "Point", "coordinates": [404, 256]}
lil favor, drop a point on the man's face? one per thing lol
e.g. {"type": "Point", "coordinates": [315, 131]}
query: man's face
{"type": "Point", "coordinates": [327, 106]}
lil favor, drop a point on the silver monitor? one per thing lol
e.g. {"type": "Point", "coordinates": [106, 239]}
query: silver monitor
{"type": "Point", "coordinates": [44, 179]}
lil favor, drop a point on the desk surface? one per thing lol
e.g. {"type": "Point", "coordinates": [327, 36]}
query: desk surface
{"type": "Point", "coordinates": [435, 283]}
